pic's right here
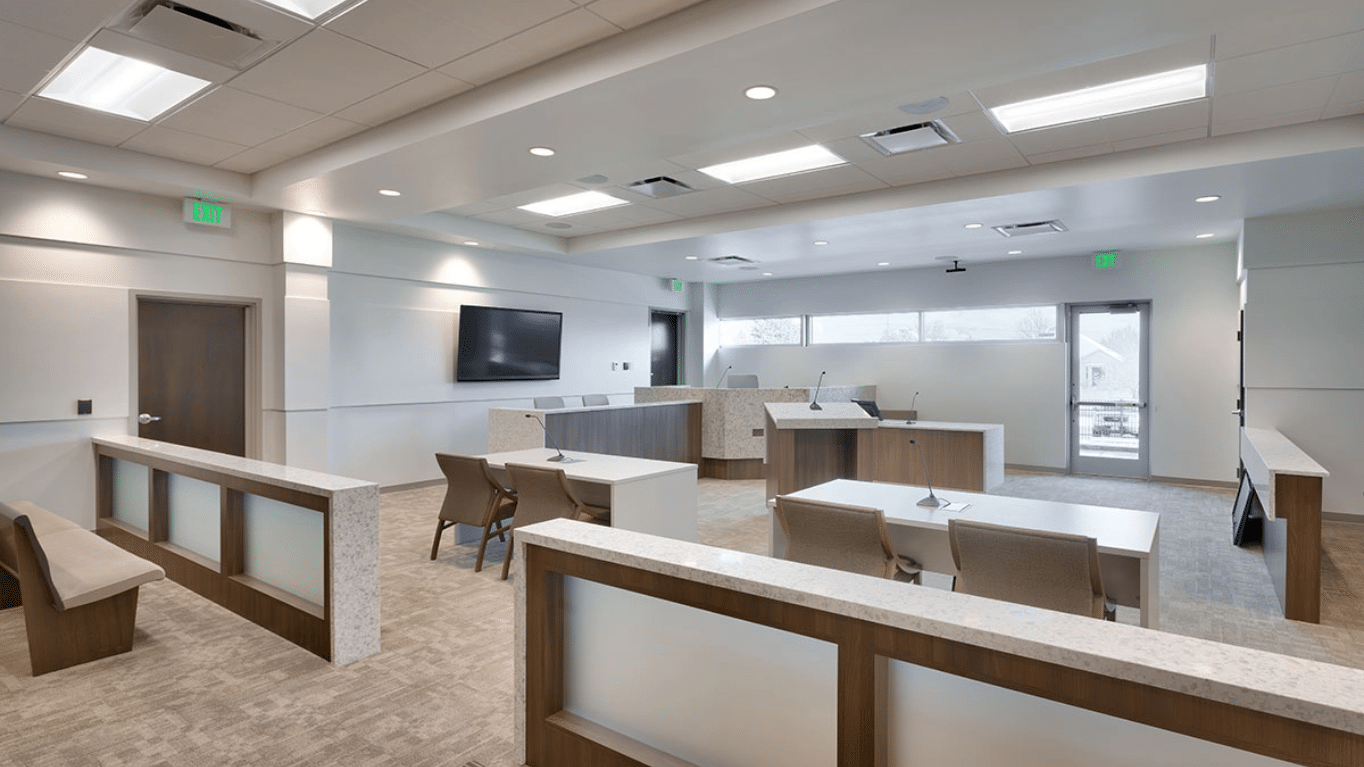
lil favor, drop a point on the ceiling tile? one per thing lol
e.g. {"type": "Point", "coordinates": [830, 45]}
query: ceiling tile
{"type": "Point", "coordinates": [403, 98]}
{"type": "Point", "coordinates": [27, 56]}
{"type": "Point", "coordinates": [1343, 110]}
{"type": "Point", "coordinates": [325, 72]}
{"type": "Point", "coordinates": [710, 201]}
{"type": "Point", "coordinates": [1150, 122]}
{"type": "Point", "coordinates": [632, 13]}
{"type": "Point", "coordinates": [1288, 29]}
{"type": "Point", "coordinates": [541, 43]}
{"type": "Point", "coordinates": [252, 160]}
{"type": "Point", "coordinates": [179, 145]}
{"type": "Point", "coordinates": [311, 136]}
{"type": "Point", "coordinates": [890, 116]}
{"type": "Point", "coordinates": [68, 19]}
{"type": "Point", "coordinates": [233, 115]}
{"type": "Point", "coordinates": [973, 126]}
{"type": "Point", "coordinates": [829, 182]}
{"type": "Point", "coordinates": [1070, 154]}
{"type": "Point", "coordinates": [628, 171]}
{"type": "Point", "coordinates": [499, 19]}
{"type": "Point", "coordinates": [1070, 136]}
{"type": "Point", "coordinates": [1262, 122]}
{"type": "Point", "coordinates": [1179, 55]}
{"type": "Point", "coordinates": [517, 217]}
{"type": "Point", "coordinates": [1349, 88]}
{"type": "Point", "coordinates": [74, 122]}
{"type": "Point", "coordinates": [909, 168]}
{"type": "Point", "coordinates": [622, 217]}
{"type": "Point", "coordinates": [753, 148]}
{"type": "Point", "coordinates": [1290, 64]}
{"type": "Point", "coordinates": [525, 197]}
{"type": "Point", "coordinates": [980, 157]}
{"type": "Point", "coordinates": [1173, 137]}
{"type": "Point", "coordinates": [8, 103]}
{"type": "Point", "coordinates": [1281, 99]}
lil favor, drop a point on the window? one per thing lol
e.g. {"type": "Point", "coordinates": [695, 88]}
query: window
{"type": "Point", "coordinates": [1009, 323]}
{"type": "Point", "coordinates": [881, 328]}
{"type": "Point", "coordinates": [761, 331]}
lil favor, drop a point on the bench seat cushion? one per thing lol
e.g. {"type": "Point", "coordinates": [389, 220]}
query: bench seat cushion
{"type": "Point", "coordinates": [86, 568]}
{"type": "Point", "coordinates": [43, 521]}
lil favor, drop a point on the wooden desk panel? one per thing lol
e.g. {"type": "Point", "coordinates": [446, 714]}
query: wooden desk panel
{"type": "Point", "coordinates": [956, 459]}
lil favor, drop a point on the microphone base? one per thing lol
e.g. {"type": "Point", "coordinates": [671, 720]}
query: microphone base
{"type": "Point", "coordinates": [932, 502]}
{"type": "Point", "coordinates": [816, 406]}
{"type": "Point", "coordinates": [557, 458]}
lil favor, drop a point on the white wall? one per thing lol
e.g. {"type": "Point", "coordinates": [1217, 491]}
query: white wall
{"type": "Point", "coordinates": [394, 322]}
{"type": "Point", "coordinates": [1305, 341]}
{"type": "Point", "coordinates": [1194, 300]}
{"type": "Point", "coordinates": [71, 259]}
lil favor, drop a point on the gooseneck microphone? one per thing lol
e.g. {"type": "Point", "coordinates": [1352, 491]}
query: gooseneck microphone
{"type": "Point", "coordinates": [911, 409]}
{"type": "Point", "coordinates": [814, 403]}
{"type": "Point", "coordinates": [722, 376]}
{"type": "Point", "coordinates": [932, 500]}
{"type": "Point", "coordinates": [560, 456]}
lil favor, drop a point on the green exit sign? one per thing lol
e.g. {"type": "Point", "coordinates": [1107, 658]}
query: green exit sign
{"type": "Point", "coordinates": [1106, 260]}
{"type": "Point", "coordinates": [677, 286]}
{"type": "Point", "coordinates": [207, 213]}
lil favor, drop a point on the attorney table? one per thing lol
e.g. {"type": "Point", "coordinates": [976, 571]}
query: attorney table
{"type": "Point", "coordinates": [1128, 539]}
{"type": "Point", "coordinates": [644, 495]}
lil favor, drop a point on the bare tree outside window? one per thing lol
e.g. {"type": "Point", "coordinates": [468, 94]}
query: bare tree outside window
{"type": "Point", "coordinates": [761, 331]}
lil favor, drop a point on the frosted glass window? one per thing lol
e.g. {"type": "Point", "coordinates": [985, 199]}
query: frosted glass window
{"type": "Point", "coordinates": [195, 515]}
{"type": "Point", "coordinates": [762, 331]}
{"type": "Point", "coordinates": [935, 718]}
{"type": "Point", "coordinates": [880, 328]}
{"type": "Point", "coordinates": [1001, 323]}
{"type": "Point", "coordinates": [132, 493]}
{"type": "Point", "coordinates": [703, 687]}
{"type": "Point", "coordinates": [284, 546]}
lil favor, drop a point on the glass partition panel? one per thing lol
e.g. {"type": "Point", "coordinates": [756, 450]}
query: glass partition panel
{"type": "Point", "coordinates": [132, 493]}
{"type": "Point", "coordinates": [284, 546]}
{"type": "Point", "coordinates": [703, 687]}
{"type": "Point", "coordinates": [935, 718]}
{"type": "Point", "coordinates": [194, 515]}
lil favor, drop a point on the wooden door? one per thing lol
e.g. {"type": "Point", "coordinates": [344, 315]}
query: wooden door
{"type": "Point", "coordinates": [666, 328]}
{"type": "Point", "coordinates": [191, 374]}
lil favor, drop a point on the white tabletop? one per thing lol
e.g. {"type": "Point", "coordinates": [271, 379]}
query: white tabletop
{"type": "Point", "coordinates": [594, 467]}
{"type": "Point", "coordinates": [940, 425]}
{"type": "Point", "coordinates": [1118, 531]}
{"type": "Point", "coordinates": [832, 415]}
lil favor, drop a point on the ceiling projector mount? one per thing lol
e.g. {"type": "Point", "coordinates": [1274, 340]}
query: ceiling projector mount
{"type": "Point", "coordinates": [955, 267]}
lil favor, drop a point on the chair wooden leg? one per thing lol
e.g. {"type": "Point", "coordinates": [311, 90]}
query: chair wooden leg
{"type": "Point", "coordinates": [440, 528]}
{"type": "Point", "coordinates": [506, 558]}
{"type": "Point", "coordinates": [483, 545]}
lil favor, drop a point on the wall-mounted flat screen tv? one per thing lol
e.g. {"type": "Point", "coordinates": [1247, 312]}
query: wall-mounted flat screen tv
{"type": "Point", "coordinates": [497, 344]}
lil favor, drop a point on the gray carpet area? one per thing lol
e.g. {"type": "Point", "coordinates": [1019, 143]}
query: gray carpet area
{"type": "Point", "coordinates": [203, 687]}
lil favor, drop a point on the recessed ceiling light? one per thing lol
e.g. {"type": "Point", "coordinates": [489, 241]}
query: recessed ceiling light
{"type": "Point", "coordinates": [470, 242]}
{"type": "Point", "coordinates": [821, 242]}
{"type": "Point", "coordinates": [693, 258]}
{"type": "Point", "coordinates": [541, 151]}
{"type": "Point", "coordinates": [1113, 98]}
{"type": "Point", "coordinates": [110, 82]}
{"type": "Point", "coordinates": [767, 274]}
{"type": "Point", "coordinates": [309, 9]}
{"type": "Point", "coordinates": [785, 163]}
{"type": "Point", "coordinates": [761, 92]}
{"type": "Point", "coordinates": [1208, 198]}
{"type": "Point", "coordinates": [1015, 252]}
{"type": "Point", "coordinates": [1205, 235]}
{"type": "Point", "coordinates": [72, 174]}
{"type": "Point", "coordinates": [884, 263]}
{"type": "Point", "coordinates": [974, 226]}
{"type": "Point", "coordinates": [569, 205]}
{"type": "Point", "coordinates": [390, 193]}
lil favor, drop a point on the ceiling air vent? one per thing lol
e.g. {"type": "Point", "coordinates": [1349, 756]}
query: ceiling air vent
{"type": "Point", "coordinates": [732, 260]}
{"type": "Point", "coordinates": [659, 186]}
{"type": "Point", "coordinates": [197, 33]}
{"type": "Point", "coordinates": [908, 138]}
{"type": "Point", "coordinates": [1037, 227]}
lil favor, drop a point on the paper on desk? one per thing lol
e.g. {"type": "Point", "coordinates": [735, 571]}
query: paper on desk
{"type": "Point", "coordinates": [954, 506]}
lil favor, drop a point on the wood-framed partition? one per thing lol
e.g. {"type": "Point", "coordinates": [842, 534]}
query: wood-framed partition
{"type": "Point", "coordinates": [551, 734]}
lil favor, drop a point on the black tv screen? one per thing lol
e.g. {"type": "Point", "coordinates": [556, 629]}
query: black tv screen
{"type": "Point", "coordinates": [498, 344]}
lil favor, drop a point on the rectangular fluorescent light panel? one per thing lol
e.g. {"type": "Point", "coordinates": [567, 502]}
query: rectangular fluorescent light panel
{"type": "Point", "coordinates": [786, 163]}
{"type": "Point", "coordinates": [574, 203]}
{"type": "Point", "coordinates": [1104, 100]}
{"type": "Point", "coordinates": [110, 82]}
{"type": "Point", "coordinates": [309, 9]}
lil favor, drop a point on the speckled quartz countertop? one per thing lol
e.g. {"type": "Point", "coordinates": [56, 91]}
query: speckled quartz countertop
{"type": "Point", "coordinates": [1267, 453]}
{"type": "Point", "coordinates": [246, 468]}
{"type": "Point", "coordinates": [1295, 688]}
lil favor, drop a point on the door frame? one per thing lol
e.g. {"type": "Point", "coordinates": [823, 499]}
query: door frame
{"type": "Point", "coordinates": [1143, 465]}
{"type": "Point", "coordinates": [681, 316]}
{"type": "Point", "coordinates": [252, 307]}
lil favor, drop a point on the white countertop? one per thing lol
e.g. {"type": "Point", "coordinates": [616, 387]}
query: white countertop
{"type": "Point", "coordinates": [833, 415]}
{"type": "Point", "coordinates": [1281, 456]}
{"type": "Point", "coordinates": [940, 425]}
{"type": "Point", "coordinates": [590, 408]}
{"type": "Point", "coordinates": [594, 467]}
{"type": "Point", "coordinates": [279, 475]}
{"type": "Point", "coordinates": [1294, 688]}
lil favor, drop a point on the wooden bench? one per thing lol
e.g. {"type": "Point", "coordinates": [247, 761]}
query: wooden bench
{"type": "Point", "coordinates": [79, 591]}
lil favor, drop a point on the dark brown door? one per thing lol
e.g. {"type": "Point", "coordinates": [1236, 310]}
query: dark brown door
{"type": "Point", "coordinates": [191, 373]}
{"type": "Point", "coordinates": [666, 327]}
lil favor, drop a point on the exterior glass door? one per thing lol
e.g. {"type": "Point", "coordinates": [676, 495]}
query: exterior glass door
{"type": "Point", "coordinates": [1109, 374]}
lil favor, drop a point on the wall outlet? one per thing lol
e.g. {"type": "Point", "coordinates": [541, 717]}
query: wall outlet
{"type": "Point", "coordinates": [626, 364]}
{"type": "Point", "coordinates": [84, 407]}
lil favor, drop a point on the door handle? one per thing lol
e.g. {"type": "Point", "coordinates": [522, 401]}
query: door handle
{"type": "Point", "coordinates": [146, 418]}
